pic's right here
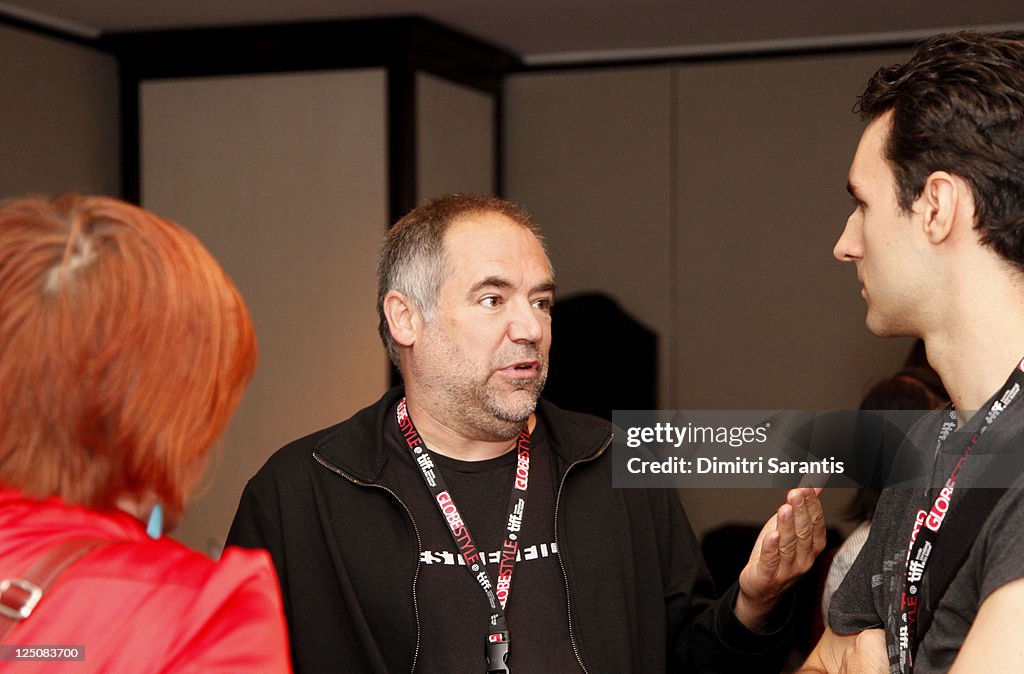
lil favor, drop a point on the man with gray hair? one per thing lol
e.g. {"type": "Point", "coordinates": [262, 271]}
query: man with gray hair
{"type": "Point", "coordinates": [396, 533]}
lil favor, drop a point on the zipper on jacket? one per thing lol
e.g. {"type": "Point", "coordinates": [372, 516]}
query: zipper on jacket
{"type": "Point", "coordinates": [419, 541]}
{"type": "Point", "coordinates": [565, 575]}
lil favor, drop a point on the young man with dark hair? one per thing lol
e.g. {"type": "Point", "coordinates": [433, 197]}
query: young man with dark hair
{"type": "Point", "coordinates": [937, 236]}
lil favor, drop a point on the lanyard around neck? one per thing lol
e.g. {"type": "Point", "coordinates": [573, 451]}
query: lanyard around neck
{"type": "Point", "coordinates": [497, 593]}
{"type": "Point", "coordinates": [928, 523]}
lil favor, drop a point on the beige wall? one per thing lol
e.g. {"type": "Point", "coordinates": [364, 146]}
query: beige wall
{"type": "Point", "coordinates": [589, 154]}
{"type": "Point", "coordinates": [58, 117]}
{"type": "Point", "coordinates": [454, 138]}
{"type": "Point", "coordinates": [765, 317]}
{"type": "Point", "coordinates": [283, 177]}
{"type": "Point", "coordinates": [706, 198]}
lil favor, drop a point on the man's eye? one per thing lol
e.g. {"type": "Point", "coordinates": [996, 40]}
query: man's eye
{"type": "Point", "coordinates": [490, 301]}
{"type": "Point", "coordinates": [544, 304]}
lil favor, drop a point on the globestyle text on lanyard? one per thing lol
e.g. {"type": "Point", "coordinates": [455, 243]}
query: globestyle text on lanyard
{"type": "Point", "coordinates": [928, 522]}
{"type": "Point", "coordinates": [497, 593]}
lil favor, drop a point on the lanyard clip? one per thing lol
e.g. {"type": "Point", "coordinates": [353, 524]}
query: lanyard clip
{"type": "Point", "coordinates": [497, 653]}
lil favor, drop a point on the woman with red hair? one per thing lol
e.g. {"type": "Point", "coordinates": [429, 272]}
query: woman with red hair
{"type": "Point", "coordinates": [124, 350]}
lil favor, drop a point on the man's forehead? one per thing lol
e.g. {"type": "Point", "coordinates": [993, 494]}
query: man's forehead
{"type": "Point", "coordinates": [491, 233]}
{"type": "Point", "coordinates": [481, 222]}
{"type": "Point", "coordinates": [872, 141]}
{"type": "Point", "coordinates": [494, 246]}
{"type": "Point", "coordinates": [870, 150]}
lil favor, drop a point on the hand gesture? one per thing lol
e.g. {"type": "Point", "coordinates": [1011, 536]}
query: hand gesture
{"type": "Point", "coordinates": [784, 551]}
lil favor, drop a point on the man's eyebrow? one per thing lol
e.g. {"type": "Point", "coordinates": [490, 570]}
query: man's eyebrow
{"type": "Point", "coordinates": [490, 282]}
{"type": "Point", "coordinates": [546, 287]}
{"type": "Point", "coordinates": [500, 283]}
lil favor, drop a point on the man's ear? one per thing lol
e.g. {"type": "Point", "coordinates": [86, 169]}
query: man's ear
{"type": "Point", "coordinates": [945, 201]}
{"type": "Point", "coordinates": [404, 318]}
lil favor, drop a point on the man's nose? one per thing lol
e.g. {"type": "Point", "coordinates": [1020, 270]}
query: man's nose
{"type": "Point", "coordinates": [850, 245]}
{"type": "Point", "coordinates": [525, 323]}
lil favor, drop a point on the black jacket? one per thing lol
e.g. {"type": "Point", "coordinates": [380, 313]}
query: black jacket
{"type": "Point", "coordinates": [346, 550]}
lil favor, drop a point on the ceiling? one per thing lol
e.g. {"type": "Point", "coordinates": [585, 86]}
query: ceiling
{"type": "Point", "coordinates": [570, 31]}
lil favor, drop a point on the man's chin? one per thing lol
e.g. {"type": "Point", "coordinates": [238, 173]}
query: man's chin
{"type": "Point", "coordinates": [882, 326]}
{"type": "Point", "coordinates": [517, 407]}
{"type": "Point", "coordinates": [516, 415]}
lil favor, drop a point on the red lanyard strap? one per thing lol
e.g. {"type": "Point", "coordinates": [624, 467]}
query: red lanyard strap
{"type": "Point", "coordinates": [497, 593]}
{"type": "Point", "coordinates": [928, 523]}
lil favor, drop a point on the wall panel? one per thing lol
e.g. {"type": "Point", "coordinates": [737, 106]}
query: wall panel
{"type": "Point", "coordinates": [763, 150]}
{"type": "Point", "coordinates": [588, 153]}
{"type": "Point", "coordinates": [58, 116]}
{"type": "Point", "coordinates": [454, 138]}
{"type": "Point", "coordinates": [283, 177]}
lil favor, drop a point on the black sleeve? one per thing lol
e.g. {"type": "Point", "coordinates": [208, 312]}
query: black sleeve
{"type": "Point", "coordinates": [252, 528]}
{"type": "Point", "coordinates": [704, 633]}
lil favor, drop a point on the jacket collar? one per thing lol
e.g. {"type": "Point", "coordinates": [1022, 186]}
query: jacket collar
{"type": "Point", "coordinates": [573, 436]}
{"type": "Point", "coordinates": [357, 445]}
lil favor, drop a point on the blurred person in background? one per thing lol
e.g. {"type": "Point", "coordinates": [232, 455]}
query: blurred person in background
{"type": "Point", "coordinates": [124, 350]}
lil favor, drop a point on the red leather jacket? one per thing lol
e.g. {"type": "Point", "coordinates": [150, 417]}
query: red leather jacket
{"type": "Point", "coordinates": [138, 604]}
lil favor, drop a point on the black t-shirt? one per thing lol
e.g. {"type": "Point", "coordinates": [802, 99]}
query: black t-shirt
{"type": "Point", "coordinates": [453, 610]}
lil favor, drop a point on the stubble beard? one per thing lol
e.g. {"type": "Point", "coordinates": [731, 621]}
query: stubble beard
{"type": "Point", "coordinates": [512, 412]}
{"type": "Point", "coordinates": [475, 397]}
{"type": "Point", "coordinates": [494, 413]}
{"type": "Point", "coordinates": [483, 407]}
